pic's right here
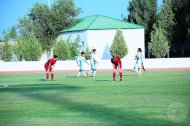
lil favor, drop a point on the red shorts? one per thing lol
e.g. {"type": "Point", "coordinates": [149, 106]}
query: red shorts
{"type": "Point", "coordinates": [46, 68]}
{"type": "Point", "coordinates": [116, 66]}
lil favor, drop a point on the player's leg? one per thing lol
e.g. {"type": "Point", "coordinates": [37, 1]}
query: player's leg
{"type": "Point", "coordinates": [94, 73]}
{"type": "Point", "coordinates": [91, 70]}
{"type": "Point", "coordinates": [120, 72]}
{"type": "Point", "coordinates": [114, 72]}
{"type": "Point", "coordinates": [52, 74]}
{"type": "Point", "coordinates": [78, 75]}
{"type": "Point", "coordinates": [84, 74]}
{"type": "Point", "coordinates": [139, 69]}
{"type": "Point", "coordinates": [47, 73]}
{"type": "Point", "coordinates": [94, 70]}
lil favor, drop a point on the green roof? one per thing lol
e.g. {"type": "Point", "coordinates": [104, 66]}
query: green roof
{"type": "Point", "coordinates": [99, 22]}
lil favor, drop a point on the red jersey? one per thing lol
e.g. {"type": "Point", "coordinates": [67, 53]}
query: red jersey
{"type": "Point", "coordinates": [117, 61]}
{"type": "Point", "coordinates": [51, 61]}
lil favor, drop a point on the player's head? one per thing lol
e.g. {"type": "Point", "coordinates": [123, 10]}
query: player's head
{"type": "Point", "coordinates": [55, 57]}
{"type": "Point", "coordinates": [83, 54]}
{"type": "Point", "coordinates": [139, 50]}
{"type": "Point", "coordinates": [94, 51]}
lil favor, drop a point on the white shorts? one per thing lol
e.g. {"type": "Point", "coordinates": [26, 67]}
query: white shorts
{"type": "Point", "coordinates": [138, 65]}
{"type": "Point", "coordinates": [93, 66]}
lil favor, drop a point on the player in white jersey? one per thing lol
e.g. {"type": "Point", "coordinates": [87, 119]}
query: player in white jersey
{"type": "Point", "coordinates": [80, 62]}
{"type": "Point", "coordinates": [138, 62]}
{"type": "Point", "coordinates": [93, 63]}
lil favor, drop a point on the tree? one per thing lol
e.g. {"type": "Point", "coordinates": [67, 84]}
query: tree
{"type": "Point", "coordinates": [6, 51]}
{"type": "Point", "coordinates": [166, 20]}
{"type": "Point", "coordinates": [49, 22]}
{"type": "Point", "coordinates": [32, 49]}
{"type": "Point", "coordinates": [87, 53]}
{"type": "Point", "coordinates": [159, 45]}
{"type": "Point", "coordinates": [74, 48]}
{"type": "Point", "coordinates": [143, 12]}
{"type": "Point", "coordinates": [61, 49]}
{"type": "Point", "coordinates": [19, 48]}
{"type": "Point", "coordinates": [119, 47]}
{"type": "Point", "coordinates": [181, 11]}
{"type": "Point", "coordinates": [67, 49]}
{"type": "Point", "coordinates": [25, 27]}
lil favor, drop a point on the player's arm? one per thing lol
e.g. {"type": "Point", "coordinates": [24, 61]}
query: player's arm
{"type": "Point", "coordinates": [49, 67]}
{"type": "Point", "coordinates": [77, 62]}
{"type": "Point", "coordinates": [95, 60]}
{"type": "Point", "coordinates": [52, 66]}
{"type": "Point", "coordinates": [119, 67]}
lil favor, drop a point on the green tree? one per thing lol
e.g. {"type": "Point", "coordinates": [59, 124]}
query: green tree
{"type": "Point", "coordinates": [74, 48]}
{"type": "Point", "coordinates": [25, 27]}
{"type": "Point", "coordinates": [32, 49]}
{"type": "Point", "coordinates": [6, 51]}
{"type": "Point", "coordinates": [67, 49]}
{"type": "Point", "coordinates": [61, 49]}
{"type": "Point", "coordinates": [19, 48]}
{"type": "Point", "coordinates": [166, 19]}
{"type": "Point", "coordinates": [119, 47]}
{"type": "Point", "coordinates": [49, 22]}
{"type": "Point", "coordinates": [87, 53]}
{"type": "Point", "coordinates": [181, 11]}
{"type": "Point", "coordinates": [143, 12]}
{"type": "Point", "coordinates": [159, 44]}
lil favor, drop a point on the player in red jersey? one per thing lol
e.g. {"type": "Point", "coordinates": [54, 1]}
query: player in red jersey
{"type": "Point", "coordinates": [117, 64]}
{"type": "Point", "coordinates": [49, 65]}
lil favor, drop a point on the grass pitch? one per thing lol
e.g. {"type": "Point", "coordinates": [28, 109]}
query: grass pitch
{"type": "Point", "coordinates": [155, 99]}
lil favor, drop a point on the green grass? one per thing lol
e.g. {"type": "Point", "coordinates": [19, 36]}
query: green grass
{"type": "Point", "coordinates": [30, 101]}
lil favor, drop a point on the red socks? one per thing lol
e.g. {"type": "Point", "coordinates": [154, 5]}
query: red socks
{"type": "Point", "coordinates": [47, 76]}
{"type": "Point", "coordinates": [52, 76]}
{"type": "Point", "coordinates": [120, 74]}
{"type": "Point", "coordinates": [114, 75]}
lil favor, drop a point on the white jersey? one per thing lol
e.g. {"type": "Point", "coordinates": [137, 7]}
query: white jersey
{"type": "Point", "coordinates": [138, 57]}
{"type": "Point", "coordinates": [92, 62]}
{"type": "Point", "coordinates": [81, 60]}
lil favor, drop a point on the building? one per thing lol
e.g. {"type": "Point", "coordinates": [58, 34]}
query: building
{"type": "Point", "coordinates": [98, 32]}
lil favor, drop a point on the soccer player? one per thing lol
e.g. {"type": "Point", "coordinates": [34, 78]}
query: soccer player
{"type": "Point", "coordinates": [80, 62]}
{"type": "Point", "coordinates": [49, 65]}
{"type": "Point", "coordinates": [138, 63]}
{"type": "Point", "coordinates": [117, 64]}
{"type": "Point", "coordinates": [93, 63]}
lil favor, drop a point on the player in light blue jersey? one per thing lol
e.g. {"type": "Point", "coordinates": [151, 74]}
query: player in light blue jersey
{"type": "Point", "coordinates": [80, 62]}
{"type": "Point", "coordinates": [93, 63]}
{"type": "Point", "coordinates": [138, 62]}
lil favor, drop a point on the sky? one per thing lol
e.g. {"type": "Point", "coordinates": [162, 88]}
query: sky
{"type": "Point", "coordinates": [12, 10]}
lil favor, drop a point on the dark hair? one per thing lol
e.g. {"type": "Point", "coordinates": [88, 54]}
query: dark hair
{"type": "Point", "coordinates": [82, 53]}
{"type": "Point", "coordinates": [140, 49]}
{"type": "Point", "coordinates": [55, 56]}
{"type": "Point", "coordinates": [93, 50]}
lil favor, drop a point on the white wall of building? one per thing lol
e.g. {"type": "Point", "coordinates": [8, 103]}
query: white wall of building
{"type": "Point", "coordinates": [102, 40]}
{"type": "Point", "coordinates": [104, 64]}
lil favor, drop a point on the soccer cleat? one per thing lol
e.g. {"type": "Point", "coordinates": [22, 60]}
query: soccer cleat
{"type": "Point", "coordinates": [120, 79]}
